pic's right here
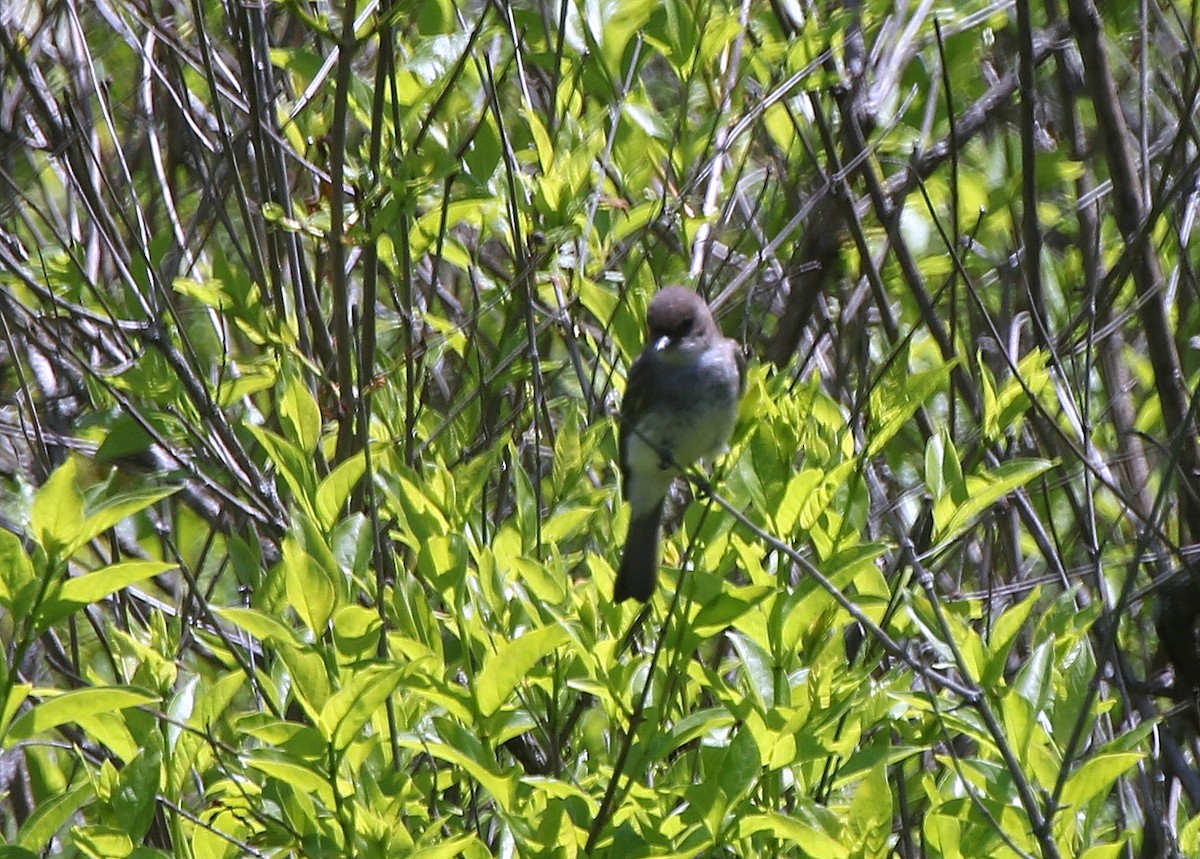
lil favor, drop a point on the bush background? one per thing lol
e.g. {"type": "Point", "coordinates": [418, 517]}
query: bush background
{"type": "Point", "coordinates": [314, 317]}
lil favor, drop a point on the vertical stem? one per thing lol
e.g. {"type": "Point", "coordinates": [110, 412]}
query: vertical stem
{"type": "Point", "coordinates": [337, 249]}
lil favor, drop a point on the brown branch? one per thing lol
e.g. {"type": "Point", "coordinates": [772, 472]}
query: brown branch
{"type": "Point", "coordinates": [1130, 212]}
{"type": "Point", "coordinates": [972, 120]}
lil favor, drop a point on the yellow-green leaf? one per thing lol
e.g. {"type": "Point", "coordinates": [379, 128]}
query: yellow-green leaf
{"type": "Point", "coordinates": [511, 662]}
{"type": "Point", "coordinates": [17, 579]}
{"type": "Point", "coordinates": [262, 626]}
{"type": "Point", "coordinates": [336, 488]}
{"type": "Point", "coordinates": [309, 588]}
{"type": "Point", "coordinates": [108, 580]}
{"type": "Point", "coordinates": [72, 706]}
{"type": "Point", "coordinates": [352, 706]}
{"type": "Point", "coordinates": [102, 842]}
{"type": "Point", "coordinates": [58, 510]}
{"type": "Point", "coordinates": [1096, 776]}
{"type": "Point", "coordinates": [299, 416]}
{"type": "Point", "coordinates": [115, 510]}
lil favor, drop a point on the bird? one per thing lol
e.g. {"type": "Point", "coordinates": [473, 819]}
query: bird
{"type": "Point", "coordinates": [680, 405]}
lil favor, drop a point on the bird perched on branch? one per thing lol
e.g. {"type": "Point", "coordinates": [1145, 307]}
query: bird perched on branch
{"type": "Point", "coordinates": [681, 401]}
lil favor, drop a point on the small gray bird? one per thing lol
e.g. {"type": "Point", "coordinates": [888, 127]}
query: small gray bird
{"type": "Point", "coordinates": [681, 401]}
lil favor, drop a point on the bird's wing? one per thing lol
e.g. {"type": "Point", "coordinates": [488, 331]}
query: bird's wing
{"type": "Point", "coordinates": [638, 393]}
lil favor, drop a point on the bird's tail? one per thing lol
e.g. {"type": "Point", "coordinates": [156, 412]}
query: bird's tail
{"type": "Point", "coordinates": [639, 561]}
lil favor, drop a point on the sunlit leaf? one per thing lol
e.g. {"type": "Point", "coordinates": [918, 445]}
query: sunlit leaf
{"type": "Point", "coordinates": [51, 815]}
{"type": "Point", "coordinates": [102, 842]}
{"type": "Point", "coordinates": [894, 406]}
{"type": "Point", "coordinates": [335, 489]}
{"type": "Point", "coordinates": [299, 415]}
{"type": "Point", "coordinates": [18, 582]}
{"type": "Point", "coordinates": [870, 814]}
{"type": "Point", "coordinates": [117, 509]}
{"type": "Point", "coordinates": [58, 510]}
{"type": "Point", "coordinates": [1097, 775]}
{"type": "Point", "coordinates": [262, 626]}
{"type": "Point", "coordinates": [96, 585]}
{"type": "Point", "coordinates": [812, 840]}
{"type": "Point", "coordinates": [511, 662]}
{"type": "Point", "coordinates": [72, 706]}
{"type": "Point", "coordinates": [352, 706]}
{"type": "Point", "coordinates": [981, 492]}
{"type": "Point", "coordinates": [310, 588]}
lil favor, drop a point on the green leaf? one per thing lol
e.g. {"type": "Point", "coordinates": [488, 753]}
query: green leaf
{"type": "Point", "coordinates": [894, 405]}
{"type": "Point", "coordinates": [1035, 681]}
{"type": "Point", "coordinates": [565, 524]}
{"type": "Point", "coordinates": [18, 581]}
{"type": "Point", "coordinates": [309, 676]}
{"type": "Point", "coordinates": [262, 626]}
{"type": "Point", "coordinates": [501, 787]}
{"type": "Point", "coordinates": [132, 805]}
{"type": "Point", "coordinates": [294, 465]}
{"type": "Point", "coordinates": [1032, 377]}
{"type": "Point", "coordinates": [72, 706]}
{"type": "Point", "coordinates": [352, 706]}
{"type": "Point", "coordinates": [421, 518]}
{"type": "Point", "coordinates": [200, 705]}
{"type": "Point", "coordinates": [296, 773]}
{"type": "Point", "coordinates": [800, 487]}
{"type": "Point", "coordinates": [296, 739]}
{"type": "Point", "coordinates": [952, 473]}
{"type": "Point", "coordinates": [934, 484]}
{"type": "Point", "coordinates": [335, 489]}
{"type": "Point", "coordinates": [211, 841]}
{"type": "Point", "coordinates": [85, 590]}
{"type": "Point", "coordinates": [310, 588]}
{"type": "Point", "coordinates": [720, 613]}
{"type": "Point", "coordinates": [1189, 837]}
{"type": "Point", "coordinates": [542, 143]}
{"type": "Point", "coordinates": [813, 841]}
{"type": "Point", "coordinates": [352, 546]}
{"type": "Point", "coordinates": [250, 379]}
{"type": "Point", "coordinates": [16, 697]}
{"type": "Point", "coordinates": [600, 301]}
{"type": "Point", "coordinates": [740, 767]}
{"type": "Point", "coordinates": [759, 668]}
{"type": "Point", "coordinates": [944, 833]}
{"type": "Point", "coordinates": [981, 492]}
{"type": "Point", "coordinates": [1096, 776]}
{"type": "Point", "coordinates": [1004, 636]}
{"type": "Point", "coordinates": [11, 851]}
{"type": "Point", "coordinates": [1112, 851]}
{"type": "Point", "coordinates": [52, 815]}
{"type": "Point", "coordinates": [991, 418]}
{"type": "Point", "coordinates": [117, 509]}
{"type": "Point", "coordinates": [464, 845]}
{"type": "Point", "coordinates": [511, 662]}
{"type": "Point", "coordinates": [126, 437]}
{"type": "Point", "coordinates": [699, 724]}
{"type": "Point", "coordinates": [57, 515]}
{"type": "Point", "coordinates": [870, 816]}
{"type": "Point", "coordinates": [356, 632]}
{"type": "Point", "coordinates": [299, 416]}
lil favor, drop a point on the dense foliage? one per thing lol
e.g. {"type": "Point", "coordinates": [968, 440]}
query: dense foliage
{"type": "Point", "coordinates": [313, 320]}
